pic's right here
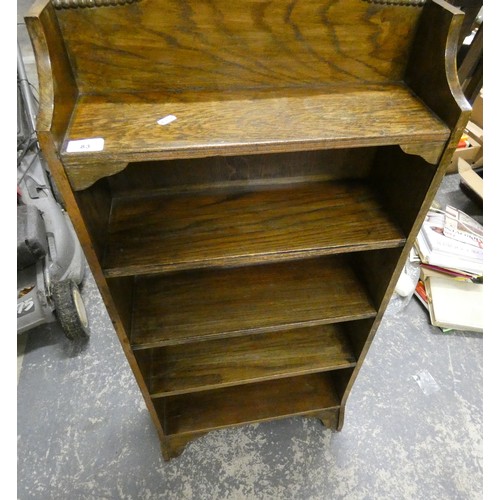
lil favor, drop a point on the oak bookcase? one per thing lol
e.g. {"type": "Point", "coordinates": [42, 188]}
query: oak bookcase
{"type": "Point", "coordinates": [251, 178]}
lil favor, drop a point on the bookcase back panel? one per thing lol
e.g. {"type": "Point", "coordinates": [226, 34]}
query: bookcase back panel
{"type": "Point", "coordinates": [179, 45]}
{"type": "Point", "coordinates": [237, 172]}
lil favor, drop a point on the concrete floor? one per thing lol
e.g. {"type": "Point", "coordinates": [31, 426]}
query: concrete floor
{"type": "Point", "coordinates": [84, 431]}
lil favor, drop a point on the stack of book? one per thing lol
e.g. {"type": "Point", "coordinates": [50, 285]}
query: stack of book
{"type": "Point", "coordinates": [450, 248]}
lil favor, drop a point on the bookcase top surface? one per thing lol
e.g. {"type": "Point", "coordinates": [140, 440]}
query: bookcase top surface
{"type": "Point", "coordinates": [206, 124]}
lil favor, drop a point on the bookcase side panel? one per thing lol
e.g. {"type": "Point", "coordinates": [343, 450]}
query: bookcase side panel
{"type": "Point", "coordinates": [48, 146]}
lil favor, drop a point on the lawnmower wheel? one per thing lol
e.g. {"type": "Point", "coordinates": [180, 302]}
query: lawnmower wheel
{"type": "Point", "coordinates": [70, 310]}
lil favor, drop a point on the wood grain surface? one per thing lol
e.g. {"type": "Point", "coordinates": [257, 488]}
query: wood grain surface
{"type": "Point", "coordinates": [58, 90]}
{"type": "Point", "coordinates": [209, 304]}
{"type": "Point", "coordinates": [249, 403]}
{"type": "Point", "coordinates": [435, 54]}
{"type": "Point", "coordinates": [96, 204]}
{"type": "Point", "coordinates": [239, 360]}
{"type": "Point", "coordinates": [157, 234]}
{"type": "Point", "coordinates": [244, 123]}
{"type": "Point", "coordinates": [176, 45]}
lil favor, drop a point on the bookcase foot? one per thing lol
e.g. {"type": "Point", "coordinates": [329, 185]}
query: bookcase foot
{"type": "Point", "coordinates": [173, 446]}
{"type": "Point", "coordinates": [330, 419]}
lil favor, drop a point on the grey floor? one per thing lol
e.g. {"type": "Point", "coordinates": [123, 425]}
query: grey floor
{"type": "Point", "coordinates": [413, 425]}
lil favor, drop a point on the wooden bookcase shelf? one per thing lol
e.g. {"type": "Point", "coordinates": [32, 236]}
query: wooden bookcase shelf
{"type": "Point", "coordinates": [246, 248]}
{"type": "Point", "coordinates": [216, 409]}
{"type": "Point", "coordinates": [201, 305]}
{"type": "Point", "coordinates": [241, 360]}
{"type": "Point", "coordinates": [250, 226]}
{"type": "Point", "coordinates": [277, 119]}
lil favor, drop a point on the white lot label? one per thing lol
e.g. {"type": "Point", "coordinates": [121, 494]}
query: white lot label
{"type": "Point", "coordinates": [85, 145]}
{"type": "Point", "coordinates": [166, 120]}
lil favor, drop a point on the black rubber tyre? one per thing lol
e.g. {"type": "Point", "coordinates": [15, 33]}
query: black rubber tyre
{"type": "Point", "coordinates": [70, 310]}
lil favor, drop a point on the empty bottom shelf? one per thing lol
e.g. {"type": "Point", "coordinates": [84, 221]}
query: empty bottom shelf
{"type": "Point", "coordinates": [205, 411]}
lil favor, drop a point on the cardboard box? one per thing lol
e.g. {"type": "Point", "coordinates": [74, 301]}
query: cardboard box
{"type": "Point", "coordinates": [474, 131]}
{"type": "Point", "coordinates": [477, 110]}
{"type": "Point", "coordinates": [470, 154]}
{"type": "Point", "coordinates": [470, 178]}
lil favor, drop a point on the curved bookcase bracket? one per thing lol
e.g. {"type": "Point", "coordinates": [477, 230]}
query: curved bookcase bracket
{"type": "Point", "coordinates": [45, 77]}
{"type": "Point", "coordinates": [430, 152]}
{"type": "Point", "coordinates": [57, 86]}
{"type": "Point", "coordinates": [70, 4]}
{"type": "Point", "coordinates": [432, 69]}
{"type": "Point", "coordinates": [86, 174]}
{"type": "Point", "coordinates": [451, 66]}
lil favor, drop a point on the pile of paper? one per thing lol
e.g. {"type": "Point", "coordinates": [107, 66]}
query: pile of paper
{"type": "Point", "coordinates": [450, 248]}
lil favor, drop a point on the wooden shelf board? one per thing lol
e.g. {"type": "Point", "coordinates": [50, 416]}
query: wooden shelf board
{"type": "Point", "coordinates": [240, 360]}
{"type": "Point", "coordinates": [205, 411]}
{"type": "Point", "coordinates": [284, 119]}
{"type": "Point", "coordinates": [208, 304]}
{"type": "Point", "coordinates": [165, 233]}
